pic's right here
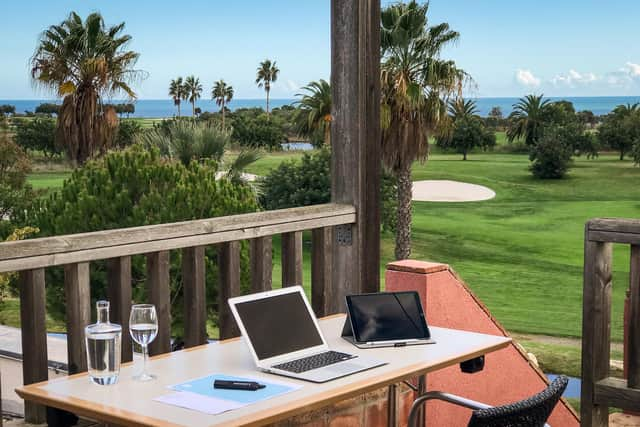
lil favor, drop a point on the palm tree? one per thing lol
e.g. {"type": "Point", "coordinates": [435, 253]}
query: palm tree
{"type": "Point", "coordinates": [314, 110]}
{"type": "Point", "coordinates": [415, 83]}
{"type": "Point", "coordinates": [193, 92]}
{"type": "Point", "coordinates": [223, 94]}
{"type": "Point", "coordinates": [84, 61]}
{"type": "Point", "coordinates": [267, 73]}
{"type": "Point", "coordinates": [527, 119]}
{"type": "Point", "coordinates": [177, 92]}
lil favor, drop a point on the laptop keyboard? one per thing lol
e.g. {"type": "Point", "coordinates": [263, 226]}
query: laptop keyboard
{"type": "Point", "coordinates": [314, 362]}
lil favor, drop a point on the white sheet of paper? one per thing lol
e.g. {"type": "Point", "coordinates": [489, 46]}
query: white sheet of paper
{"type": "Point", "coordinates": [198, 402]}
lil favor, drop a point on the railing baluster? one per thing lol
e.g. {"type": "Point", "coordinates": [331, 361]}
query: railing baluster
{"type": "Point", "coordinates": [119, 290]}
{"type": "Point", "coordinates": [194, 288]}
{"type": "Point", "coordinates": [78, 306]}
{"type": "Point", "coordinates": [229, 286]}
{"type": "Point", "coordinates": [596, 328]}
{"type": "Point", "coordinates": [160, 295]}
{"type": "Point", "coordinates": [633, 379]}
{"type": "Point", "coordinates": [34, 337]}
{"type": "Point", "coordinates": [291, 258]}
{"type": "Point", "coordinates": [321, 270]}
{"type": "Point", "coordinates": [260, 255]}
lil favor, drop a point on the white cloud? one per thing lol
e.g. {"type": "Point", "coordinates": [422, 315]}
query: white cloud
{"type": "Point", "coordinates": [573, 78]}
{"type": "Point", "coordinates": [526, 78]}
{"type": "Point", "coordinates": [632, 69]}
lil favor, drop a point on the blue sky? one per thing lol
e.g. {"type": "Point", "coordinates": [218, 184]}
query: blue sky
{"type": "Point", "coordinates": [560, 47]}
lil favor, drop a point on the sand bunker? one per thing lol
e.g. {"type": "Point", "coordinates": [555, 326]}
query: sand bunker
{"type": "Point", "coordinates": [450, 191]}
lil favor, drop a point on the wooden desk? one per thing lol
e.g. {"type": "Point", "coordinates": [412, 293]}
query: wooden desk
{"type": "Point", "coordinates": [131, 403]}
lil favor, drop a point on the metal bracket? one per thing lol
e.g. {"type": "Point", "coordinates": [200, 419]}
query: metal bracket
{"type": "Point", "coordinates": [343, 234]}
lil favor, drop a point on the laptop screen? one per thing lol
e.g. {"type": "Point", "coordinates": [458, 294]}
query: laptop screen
{"type": "Point", "coordinates": [278, 324]}
{"type": "Point", "coordinates": [387, 316]}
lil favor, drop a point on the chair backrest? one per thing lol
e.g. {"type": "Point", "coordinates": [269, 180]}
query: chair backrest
{"type": "Point", "coordinates": [531, 412]}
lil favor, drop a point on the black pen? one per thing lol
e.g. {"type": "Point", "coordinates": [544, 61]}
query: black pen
{"type": "Point", "coordinates": [238, 385]}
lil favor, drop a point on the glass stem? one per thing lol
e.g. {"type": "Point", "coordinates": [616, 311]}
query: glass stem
{"type": "Point", "coordinates": [145, 357]}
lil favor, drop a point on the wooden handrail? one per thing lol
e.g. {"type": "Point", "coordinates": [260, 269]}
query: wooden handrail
{"type": "Point", "coordinates": [599, 390]}
{"type": "Point", "coordinates": [83, 247]}
{"type": "Point", "coordinates": [154, 242]}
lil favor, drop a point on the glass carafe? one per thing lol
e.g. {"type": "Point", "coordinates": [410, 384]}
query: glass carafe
{"type": "Point", "coordinates": [103, 347]}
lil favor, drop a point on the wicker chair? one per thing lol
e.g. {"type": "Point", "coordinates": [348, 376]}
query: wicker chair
{"type": "Point", "coordinates": [531, 412]}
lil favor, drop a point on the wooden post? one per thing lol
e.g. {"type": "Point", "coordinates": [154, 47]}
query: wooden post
{"type": "Point", "coordinates": [194, 288]}
{"type": "Point", "coordinates": [355, 136]}
{"type": "Point", "coordinates": [119, 276]}
{"type": "Point", "coordinates": [34, 337]}
{"type": "Point", "coordinates": [291, 258]}
{"type": "Point", "coordinates": [229, 283]}
{"type": "Point", "coordinates": [633, 379]}
{"type": "Point", "coordinates": [260, 254]}
{"type": "Point", "coordinates": [596, 329]}
{"type": "Point", "coordinates": [321, 270]}
{"type": "Point", "coordinates": [158, 286]}
{"type": "Point", "coordinates": [78, 305]}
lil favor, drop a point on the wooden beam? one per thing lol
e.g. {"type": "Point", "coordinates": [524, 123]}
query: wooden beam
{"type": "Point", "coordinates": [596, 329]}
{"type": "Point", "coordinates": [614, 392]}
{"type": "Point", "coordinates": [355, 136]}
{"type": "Point", "coordinates": [321, 289]}
{"type": "Point", "coordinates": [82, 247]}
{"type": "Point", "coordinates": [120, 296]}
{"type": "Point", "coordinates": [195, 297]}
{"type": "Point", "coordinates": [215, 237]}
{"type": "Point", "coordinates": [291, 258]}
{"type": "Point", "coordinates": [614, 237]}
{"type": "Point", "coordinates": [34, 338]}
{"type": "Point", "coordinates": [159, 291]}
{"type": "Point", "coordinates": [260, 255]}
{"type": "Point", "coordinates": [618, 225]}
{"type": "Point", "coordinates": [229, 287]}
{"type": "Point", "coordinates": [634, 319]}
{"type": "Point", "coordinates": [78, 307]}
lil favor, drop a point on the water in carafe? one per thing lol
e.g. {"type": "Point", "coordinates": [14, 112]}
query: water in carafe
{"type": "Point", "coordinates": [103, 347]}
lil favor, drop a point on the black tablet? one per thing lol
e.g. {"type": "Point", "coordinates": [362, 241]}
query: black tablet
{"type": "Point", "coordinates": [387, 317]}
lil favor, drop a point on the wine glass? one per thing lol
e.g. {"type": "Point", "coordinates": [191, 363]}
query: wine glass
{"type": "Point", "coordinates": [143, 326]}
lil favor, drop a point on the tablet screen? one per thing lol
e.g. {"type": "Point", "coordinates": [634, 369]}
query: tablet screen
{"type": "Point", "coordinates": [387, 316]}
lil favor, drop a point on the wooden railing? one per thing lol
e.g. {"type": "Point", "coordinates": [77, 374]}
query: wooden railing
{"type": "Point", "coordinates": [75, 252]}
{"type": "Point", "coordinates": [599, 390]}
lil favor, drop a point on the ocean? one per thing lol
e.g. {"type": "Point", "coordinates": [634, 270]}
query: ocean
{"type": "Point", "coordinates": [154, 108]}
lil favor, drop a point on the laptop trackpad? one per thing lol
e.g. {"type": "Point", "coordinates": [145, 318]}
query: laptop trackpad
{"type": "Point", "coordinates": [345, 367]}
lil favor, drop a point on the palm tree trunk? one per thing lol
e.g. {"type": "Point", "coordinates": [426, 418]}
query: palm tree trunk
{"type": "Point", "coordinates": [403, 230]}
{"type": "Point", "coordinates": [268, 113]}
{"type": "Point", "coordinates": [178, 110]}
{"type": "Point", "coordinates": [327, 134]}
{"type": "Point", "coordinates": [193, 110]}
{"type": "Point", "coordinates": [222, 114]}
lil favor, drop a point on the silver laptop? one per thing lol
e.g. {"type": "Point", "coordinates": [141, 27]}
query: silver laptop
{"type": "Point", "coordinates": [284, 337]}
{"type": "Point", "coordinates": [386, 319]}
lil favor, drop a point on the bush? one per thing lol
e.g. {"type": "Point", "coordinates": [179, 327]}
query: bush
{"type": "Point", "coordinates": [308, 182]}
{"type": "Point", "coordinates": [38, 134]}
{"type": "Point", "coordinates": [467, 134]}
{"type": "Point", "coordinates": [128, 131]}
{"type": "Point", "coordinates": [258, 131]}
{"type": "Point", "coordinates": [137, 187]}
{"type": "Point", "coordinates": [551, 156]}
{"type": "Point", "coordinates": [15, 193]}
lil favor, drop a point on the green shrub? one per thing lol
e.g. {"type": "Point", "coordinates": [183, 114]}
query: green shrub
{"type": "Point", "coordinates": [258, 131]}
{"type": "Point", "coordinates": [38, 134]}
{"type": "Point", "coordinates": [308, 182]}
{"type": "Point", "coordinates": [551, 156]}
{"type": "Point", "coordinates": [128, 131]}
{"type": "Point", "coordinates": [15, 193]}
{"type": "Point", "coordinates": [137, 187]}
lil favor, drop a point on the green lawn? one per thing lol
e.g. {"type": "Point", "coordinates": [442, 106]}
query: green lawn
{"type": "Point", "coordinates": [48, 180]}
{"type": "Point", "coordinates": [520, 252]}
